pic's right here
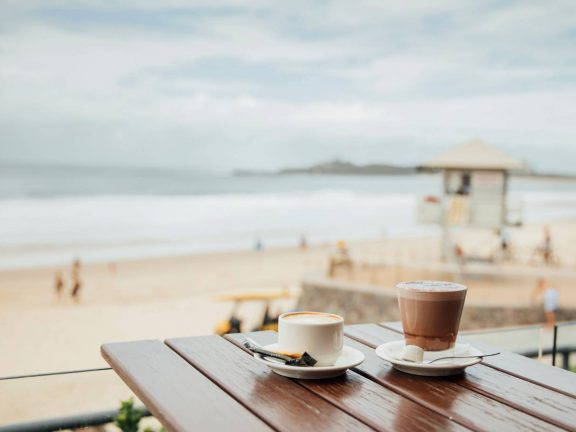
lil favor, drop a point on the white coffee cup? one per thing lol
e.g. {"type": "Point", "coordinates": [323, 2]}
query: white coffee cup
{"type": "Point", "coordinates": [319, 334]}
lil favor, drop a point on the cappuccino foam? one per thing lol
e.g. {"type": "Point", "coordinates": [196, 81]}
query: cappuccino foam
{"type": "Point", "coordinates": [431, 290]}
{"type": "Point", "coordinates": [309, 318]}
{"type": "Point", "coordinates": [434, 286]}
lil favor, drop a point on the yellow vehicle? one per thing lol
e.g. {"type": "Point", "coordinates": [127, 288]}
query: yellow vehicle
{"type": "Point", "coordinates": [267, 322]}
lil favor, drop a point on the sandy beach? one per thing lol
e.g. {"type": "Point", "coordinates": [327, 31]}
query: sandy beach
{"type": "Point", "coordinates": [173, 297]}
{"type": "Point", "coordinates": [146, 299]}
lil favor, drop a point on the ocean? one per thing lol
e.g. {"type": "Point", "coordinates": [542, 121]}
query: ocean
{"type": "Point", "coordinates": [48, 215]}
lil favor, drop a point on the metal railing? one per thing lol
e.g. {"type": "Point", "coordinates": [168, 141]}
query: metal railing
{"type": "Point", "coordinates": [44, 374]}
{"type": "Point", "coordinates": [557, 345]}
{"type": "Point", "coordinates": [565, 348]}
{"type": "Point", "coordinates": [82, 420]}
{"type": "Point", "coordinates": [563, 351]}
{"type": "Point", "coordinates": [71, 422]}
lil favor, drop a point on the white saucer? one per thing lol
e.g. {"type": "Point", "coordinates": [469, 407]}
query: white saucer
{"type": "Point", "coordinates": [350, 357]}
{"type": "Point", "coordinates": [392, 352]}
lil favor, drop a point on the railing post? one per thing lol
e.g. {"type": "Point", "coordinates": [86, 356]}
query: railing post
{"type": "Point", "coordinates": [554, 345]}
{"type": "Point", "coordinates": [566, 360]}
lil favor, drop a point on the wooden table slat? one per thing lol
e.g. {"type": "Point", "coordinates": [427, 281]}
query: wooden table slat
{"type": "Point", "coordinates": [473, 409]}
{"type": "Point", "coordinates": [520, 366]}
{"type": "Point", "coordinates": [281, 402]}
{"type": "Point", "coordinates": [553, 378]}
{"type": "Point", "coordinates": [551, 406]}
{"type": "Point", "coordinates": [169, 387]}
{"type": "Point", "coordinates": [370, 402]}
{"type": "Point", "coordinates": [393, 325]}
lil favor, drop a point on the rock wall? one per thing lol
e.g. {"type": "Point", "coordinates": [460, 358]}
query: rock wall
{"type": "Point", "coordinates": [361, 303]}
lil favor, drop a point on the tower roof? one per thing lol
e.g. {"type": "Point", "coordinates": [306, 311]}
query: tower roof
{"type": "Point", "coordinates": [475, 155]}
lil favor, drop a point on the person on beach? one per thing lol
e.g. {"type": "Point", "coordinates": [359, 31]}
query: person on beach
{"type": "Point", "coordinates": [303, 242]}
{"type": "Point", "coordinates": [505, 243]}
{"type": "Point", "coordinates": [258, 245]}
{"type": "Point", "coordinates": [340, 258]}
{"type": "Point", "coordinates": [547, 246]}
{"type": "Point", "coordinates": [459, 256]}
{"type": "Point", "coordinates": [112, 268]}
{"type": "Point", "coordinates": [58, 284]}
{"type": "Point", "coordinates": [76, 281]}
{"type": "Point", "coordinates": [550, 297]}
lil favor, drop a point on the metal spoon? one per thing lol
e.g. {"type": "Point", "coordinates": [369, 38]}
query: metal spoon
{"type": "Point", "coordinates": [305, 360]}
{"type": "Point", "coordinates": [452, 357]}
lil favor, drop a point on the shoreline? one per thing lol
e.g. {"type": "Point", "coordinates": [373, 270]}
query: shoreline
{"type": "Point", "coordinates": [184, 251]}
{"type": "Point", "coordinates": [422, 231]}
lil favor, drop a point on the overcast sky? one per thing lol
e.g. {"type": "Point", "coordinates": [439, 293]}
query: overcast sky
{"type": "Point", "coordinates": [261, 84]}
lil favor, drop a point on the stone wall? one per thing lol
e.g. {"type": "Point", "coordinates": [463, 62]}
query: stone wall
{"type": "Point", "coordinates": [361, 303]}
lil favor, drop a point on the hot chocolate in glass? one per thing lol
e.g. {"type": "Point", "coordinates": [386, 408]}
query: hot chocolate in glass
{"type": "Point", "coordinates": [430, 313]}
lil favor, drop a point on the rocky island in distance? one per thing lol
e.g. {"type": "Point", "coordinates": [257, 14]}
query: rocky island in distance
{"type": "Point", "coordinates": [336, 167]}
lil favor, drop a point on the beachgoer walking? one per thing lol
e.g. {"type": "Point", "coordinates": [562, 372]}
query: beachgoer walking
{"type": "Point", "coordinates": [505, 242]}
{"type": "Point", "coordinates": [76, 266]}
{"type": "Point", "coordinates": [76, 281]}
{"type": "Point", "coordinates": [58, 284]}
{"type": "Point", "coordinates": [303, 242]}
{"type": "Point", "coordinates": [112, 268]}
{"type": "Point", "coordinates": [550, 299]}
{"type": "Point", "coordinates": [459, 255]}
{"type": "Point", "coordinates": [258, 245]}
{"type": "Point", "coordinates": [77, 285]}
{"type": "Point", "coordinates": [547, 246]}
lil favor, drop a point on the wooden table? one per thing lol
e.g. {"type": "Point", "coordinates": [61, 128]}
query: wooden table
{"type": "Point", "coordinates": [213, 383]}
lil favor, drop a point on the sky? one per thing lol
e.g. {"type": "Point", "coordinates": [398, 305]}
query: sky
{"type": "Point", "coordinates": [218, 85]}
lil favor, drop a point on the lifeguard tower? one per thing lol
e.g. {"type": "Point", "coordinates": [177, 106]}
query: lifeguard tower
{"type": "Point", "coordinates": [475, 188]}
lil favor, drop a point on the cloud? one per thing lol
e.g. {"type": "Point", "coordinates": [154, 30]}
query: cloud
{"type": "Point", "coordinates": [256, 84]}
